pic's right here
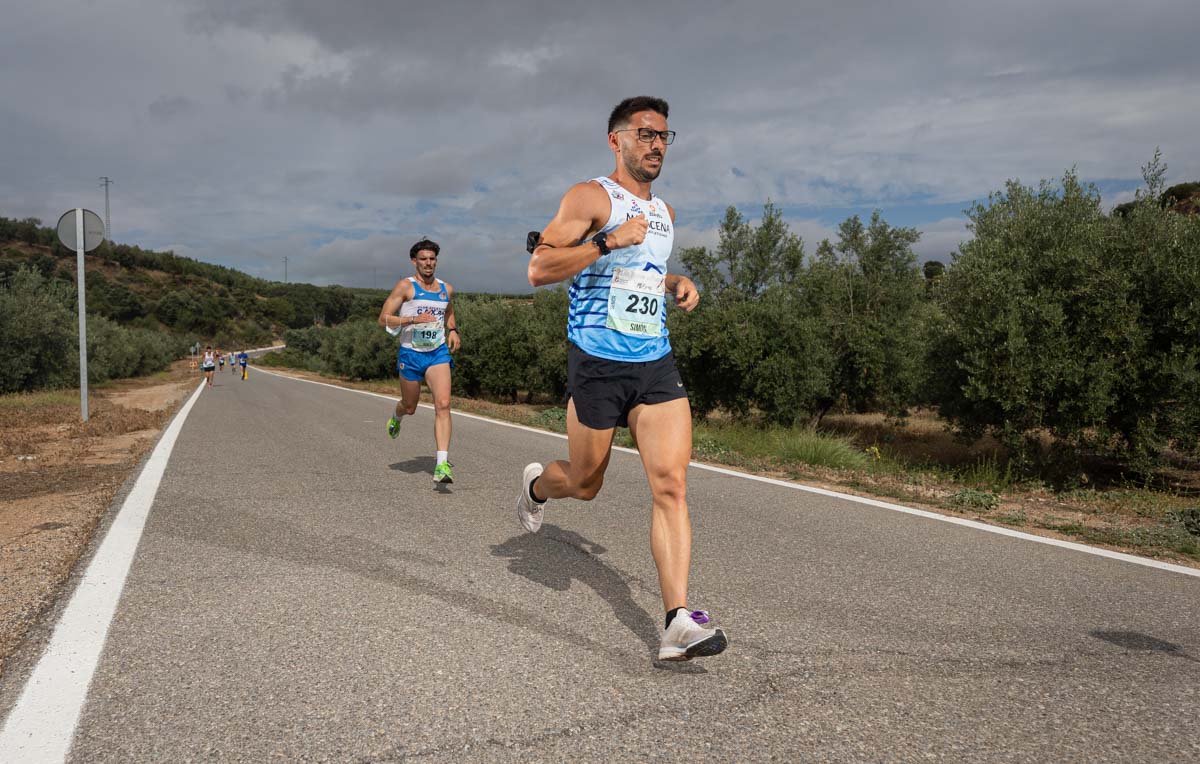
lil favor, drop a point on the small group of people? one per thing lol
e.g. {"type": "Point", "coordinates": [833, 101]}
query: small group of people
{"type": "Point", "coordinates": [216, 358]}
{"type": "Point", "coordinates": [611, 238]}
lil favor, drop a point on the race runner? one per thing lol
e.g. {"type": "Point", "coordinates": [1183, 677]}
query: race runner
{"type": "Point", "coordinates": [420, 311]}
{"type": "Point", "coordinates": [611, 237]}
{"type": "Point", "coordinates": [208, 364]}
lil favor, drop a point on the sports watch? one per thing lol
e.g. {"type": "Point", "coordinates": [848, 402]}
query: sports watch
{"type": "Point", "coordinates": [601, 241]}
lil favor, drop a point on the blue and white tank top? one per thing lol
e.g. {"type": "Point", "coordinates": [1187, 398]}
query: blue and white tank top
{"type": "Point", "coordinates": [618, 303]}
{"type": "Point", "coordinates": [425, 337]}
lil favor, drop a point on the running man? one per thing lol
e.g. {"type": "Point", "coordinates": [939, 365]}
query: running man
{"type": "Point", "coordinates": [243, 358]}
{"type": "Point", "coordinates": [221, 360]}
{"type": "Point", "coordinates": [420, 311]}
{"type": "Point", "coordinates": [611, 237]}
{"type": "Point", "coordinates": [208, 364]}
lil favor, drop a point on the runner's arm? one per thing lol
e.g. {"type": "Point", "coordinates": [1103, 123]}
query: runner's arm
{"type": "Point", "coordinates": [391, 306]}
{"type": "Point", "coordinates": [453, 341]}
{"type": "Point", "coordinates": [686, 294]}
{"type": "Point", "coordinates": [583, 211]}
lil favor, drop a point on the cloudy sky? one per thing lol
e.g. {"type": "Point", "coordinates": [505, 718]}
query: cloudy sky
{"type": "Point", "coordinates": [336, 134]}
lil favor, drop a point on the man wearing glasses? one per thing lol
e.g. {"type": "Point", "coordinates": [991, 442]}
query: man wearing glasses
{"type": "Point", "coordinates": [611, 237]}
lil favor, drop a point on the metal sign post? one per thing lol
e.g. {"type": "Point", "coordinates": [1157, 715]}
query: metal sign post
{"type": "Point", "coordinates": [81, 230]}
{"type": "Point", "coordinates": [82, 291]}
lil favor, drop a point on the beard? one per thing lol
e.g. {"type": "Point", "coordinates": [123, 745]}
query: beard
{"type": "Point", "coordinates": [640, 173]}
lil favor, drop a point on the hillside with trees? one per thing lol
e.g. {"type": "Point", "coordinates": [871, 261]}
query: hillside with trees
{"type": "Point", "coordinates": [145, 308]}
{"type": "Point", "coordinates": [164, 291]}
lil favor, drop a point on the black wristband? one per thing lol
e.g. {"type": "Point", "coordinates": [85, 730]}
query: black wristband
{"type": "Point", "coordinates": [452, 329]}
{"type": "Point", "coordinates": [601, 242]}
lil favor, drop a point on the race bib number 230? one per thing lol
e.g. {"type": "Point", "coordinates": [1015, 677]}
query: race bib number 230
{"type": "Point", "coordinates": [635, 302]}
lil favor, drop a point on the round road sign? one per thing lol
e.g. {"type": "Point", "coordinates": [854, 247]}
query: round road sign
{"type": "Point", "coordinates": [93, 230]}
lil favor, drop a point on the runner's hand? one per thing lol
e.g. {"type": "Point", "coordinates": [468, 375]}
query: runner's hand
{"type": "Point", "coordinates": [631, 232]}
{"type": "Point", "coordinates": [453, 343]}
{"type": "Point", "coordinates": [424, 318]}
{"type": "Point", "coordinates": [686, 295]}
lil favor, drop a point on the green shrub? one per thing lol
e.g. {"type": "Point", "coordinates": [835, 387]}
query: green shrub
{"type": "Point", "coordinates": [552, 419]}
{"type": "Point", "coordinates": [780, 445]}
{"type": "Point", "coordinates": [987, 473]}
{"type": "Point", "coordinates": [306, 340]}
{"type": "Point", "coordinates": [973, 498]}
{"type": "Point", "coordinates": [38, 333]}
{"type": "Point", "coordinates": [291, 358]}
{"type": "Point", "coordinates": [496, 353]}
{"type": "Point", "coordinates": [792, 338]}
{"type": "Point", "coordinates": [359, 349]}
{"type": "Point", "coordinates": [547, 334]}
{"type": "Point", "coordinates": [1059, 319]}
{"type": "Point", "coordinates": [1190, 518]}
{"type": "Point", "coordinates": [39, 339]}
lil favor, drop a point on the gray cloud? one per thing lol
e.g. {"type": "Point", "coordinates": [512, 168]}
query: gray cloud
{"type": "Point", "coordinates": [166, 107]}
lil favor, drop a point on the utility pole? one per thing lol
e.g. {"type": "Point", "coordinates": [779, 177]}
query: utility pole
{"type": "Point", "coordinates": [285, 269]}
{"type": "Point", "coordinates": [106, 182]}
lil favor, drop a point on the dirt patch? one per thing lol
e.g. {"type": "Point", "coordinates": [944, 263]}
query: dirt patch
{"type": "Point", "coordinates": [58, 476]}
{"type": "Point", "coordinates": [154, 398]}
{"type": "Point", "coordinates": [921, 437]}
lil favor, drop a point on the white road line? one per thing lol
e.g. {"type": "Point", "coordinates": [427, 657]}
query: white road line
{"type": "Point", "coordinates": [1097, 551]}
{"type": "Point", "coordinates": [41, 725]}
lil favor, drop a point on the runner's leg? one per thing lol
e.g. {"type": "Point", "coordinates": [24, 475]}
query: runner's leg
{"type": "Point", "coordinates": [663, 433]}
{"type": "Point", "coordinates": [588, 452]}
{"type": "Point", "coordinates": [410, 394]}
{"type": "Point", "coordinates": [438, 379]}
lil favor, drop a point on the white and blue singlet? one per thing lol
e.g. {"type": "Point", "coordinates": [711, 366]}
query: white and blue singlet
{"type": "Point", "coordinates": [617, 305]}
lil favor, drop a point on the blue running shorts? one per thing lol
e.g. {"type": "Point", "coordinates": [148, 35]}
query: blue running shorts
{"type": "Point", "coordinates": [412, 364]}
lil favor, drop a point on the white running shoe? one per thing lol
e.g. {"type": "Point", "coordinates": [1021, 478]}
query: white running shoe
{"type": "Point", "coordinates": [528, 511]}
{"type": "Point", "coordinates": [687, 638]}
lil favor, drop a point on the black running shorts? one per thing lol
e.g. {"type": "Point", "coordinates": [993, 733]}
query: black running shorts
{"type": "Point", "coordinates": [606, 391]}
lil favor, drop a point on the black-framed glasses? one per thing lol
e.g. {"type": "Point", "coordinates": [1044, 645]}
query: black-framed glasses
{"type": "Point", "coordinates": [646, 135]}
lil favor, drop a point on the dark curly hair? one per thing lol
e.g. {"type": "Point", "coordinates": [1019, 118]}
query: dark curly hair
{"type": "Point", "coordinates": [432, 246]}
{"type": "Point", "coordinates": [630, 106]}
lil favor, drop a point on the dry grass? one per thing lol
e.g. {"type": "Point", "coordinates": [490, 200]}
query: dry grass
{"type": "Point", "coordinates": [919, 439]}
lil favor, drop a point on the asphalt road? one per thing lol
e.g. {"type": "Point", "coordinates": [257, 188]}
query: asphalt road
{"type": "Point", "coordinates": [303, 592]}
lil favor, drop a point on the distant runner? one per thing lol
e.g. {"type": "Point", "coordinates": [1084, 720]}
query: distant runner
{"type": "Point", "coordinates": [221, 360]}
{"type": "Point", "coordinates": [243, 359]}
{"type": "Point", "coordinates": [611, 238]}
{"type": "Point", "coordinates": [208, 364]}
{"type": "Point", "coordinates": [419, 309]}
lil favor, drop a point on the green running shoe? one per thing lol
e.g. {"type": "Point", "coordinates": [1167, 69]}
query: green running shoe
{"type": "Point", "coordinates": [393, 427]}
{"type": "Point", "coordinates": [441, 473]}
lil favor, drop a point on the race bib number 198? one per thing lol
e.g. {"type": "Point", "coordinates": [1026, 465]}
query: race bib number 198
{"type": "Point", "coordinates": [426, 336]}
{"type": "Point", "coordinates": [635, 302]}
